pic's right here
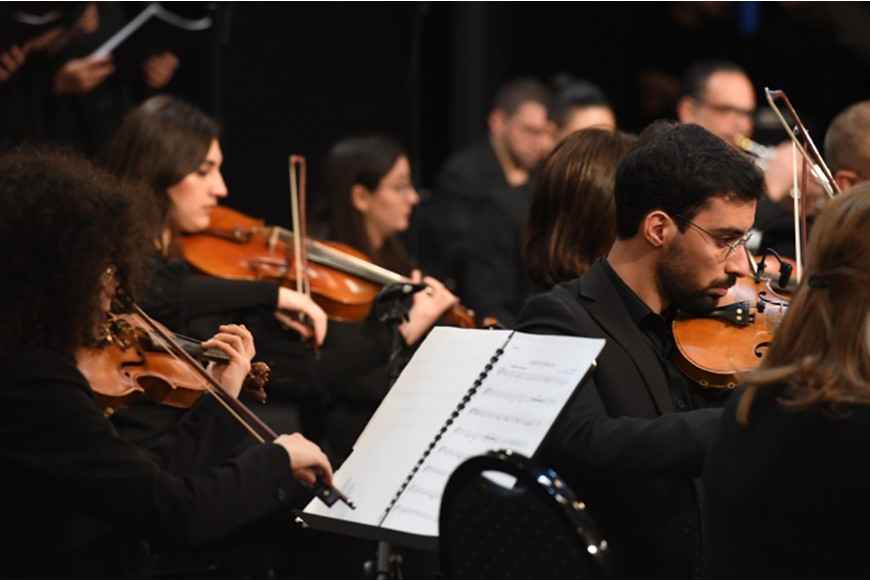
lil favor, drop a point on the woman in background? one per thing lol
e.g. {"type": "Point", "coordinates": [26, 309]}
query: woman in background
{"type": "Point", "coordinates": [369, 200]}
{"type": "Point", "coordinates": [572, 216]}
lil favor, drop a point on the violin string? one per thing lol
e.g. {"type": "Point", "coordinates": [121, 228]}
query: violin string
{"type": "Point", "coordinates": [322, 254]}
{"type": "Point", "coordinates": [165, 345]}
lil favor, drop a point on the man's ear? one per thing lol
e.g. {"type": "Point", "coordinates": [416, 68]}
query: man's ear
{"type": "Point", "coordinates": [361, 198]}
{"type": "Point", "coordinates": [686, 109]}
{"type": "Point", "coordinates": [658, 228]}
{"type": "Point", "coordinates": [496, 120]}
{"type": "Point", "coordinates": [846, 178]}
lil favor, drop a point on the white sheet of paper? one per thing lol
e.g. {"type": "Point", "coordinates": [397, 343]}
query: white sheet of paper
{"type": "Point", "coordinates": [514, 407]}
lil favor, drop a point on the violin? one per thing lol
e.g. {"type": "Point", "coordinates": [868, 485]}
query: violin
{"type": "Point", "coordinates": [343, 281]}
{"type": "Point", "coordinates": [129, 359]}
{"type": "Point", "coordinates": [88, 361]}
{"type": "Point", "coordinates": [712, 348]}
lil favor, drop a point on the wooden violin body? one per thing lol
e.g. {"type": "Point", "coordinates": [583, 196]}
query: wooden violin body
{"type": "Point", "coordinates": [714, 347]}
{"type": "Point", "coordinates": [342, 280]}
{"type": "Point", "coordinates": [128, 361]}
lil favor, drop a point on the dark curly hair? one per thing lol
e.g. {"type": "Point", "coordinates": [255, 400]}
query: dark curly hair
{"type": "Point", "coordinates": [64, 223]}
{"type": "Point", "coordinates": [678, 169]}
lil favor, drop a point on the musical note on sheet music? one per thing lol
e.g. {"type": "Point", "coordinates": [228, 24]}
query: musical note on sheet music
{"type": "Point", "coordinates": [501, 389]}
{"type": "Point", "coordinates": [531, 376]}
{"type": "Point", "coordinates": [518, 397]}
{"type": "Point", "coordinates": [504, 418]}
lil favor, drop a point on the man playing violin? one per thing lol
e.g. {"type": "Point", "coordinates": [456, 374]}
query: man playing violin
{"type": "Point", "coordinates": [77, 498]}
{"type": "Point", "coordinates": [634, 439]}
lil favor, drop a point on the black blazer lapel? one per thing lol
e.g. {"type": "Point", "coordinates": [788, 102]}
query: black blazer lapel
{"type": "Point", "coordinates": [608, 311]}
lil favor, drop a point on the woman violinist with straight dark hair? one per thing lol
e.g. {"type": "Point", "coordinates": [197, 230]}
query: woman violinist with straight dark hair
{"type": "Point", "coordinates": [175, 149]}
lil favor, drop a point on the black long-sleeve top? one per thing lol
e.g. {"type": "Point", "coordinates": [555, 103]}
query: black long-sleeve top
{"type": "Point", "coordinates": [79, 499]}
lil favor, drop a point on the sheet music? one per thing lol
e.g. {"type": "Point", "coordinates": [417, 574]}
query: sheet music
{"type": "Point", "coordinates": [513, 407]}
{"type": "Point", "coordinates": [152, 10]}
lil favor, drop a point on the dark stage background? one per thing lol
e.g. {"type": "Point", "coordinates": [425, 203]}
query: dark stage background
{"type": "Point", "coordinates": [294, 77]}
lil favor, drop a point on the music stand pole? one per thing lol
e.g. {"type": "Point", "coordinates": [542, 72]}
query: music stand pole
{"type": "Point", "coordinates": [392, 306]}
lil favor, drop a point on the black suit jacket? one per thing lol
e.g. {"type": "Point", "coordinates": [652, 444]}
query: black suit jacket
{"type": "Point", "coordinates": [496, 279]}
{"type": "Point", "coordinates": [447, 219]}
{"type": "Point", "coordinates": [621, 443]}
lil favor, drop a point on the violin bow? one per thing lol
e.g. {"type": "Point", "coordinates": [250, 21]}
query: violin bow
{"type": "Point", "coordinates": [802, 143]}
{"type": "Point", "coordinates": [328, 494]}
{"type": "Point", "coordinates": [300, 235]}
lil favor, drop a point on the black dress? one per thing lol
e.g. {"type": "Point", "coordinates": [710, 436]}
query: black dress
{"type": "Point", "coordinates": [787, 493]}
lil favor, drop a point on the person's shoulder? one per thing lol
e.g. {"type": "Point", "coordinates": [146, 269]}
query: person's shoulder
{"type": "Point", "coordinates": [472, 154]}
{"type": "Point", "coordinates": [51, 371]}
{"type": "Point", "coordinates": [472, 163]}
{"type": "Point", "coordinates": [555, 310]}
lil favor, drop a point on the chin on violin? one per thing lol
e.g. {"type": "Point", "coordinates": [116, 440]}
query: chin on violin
{"type": "Point", "coordinates": [714, 347]}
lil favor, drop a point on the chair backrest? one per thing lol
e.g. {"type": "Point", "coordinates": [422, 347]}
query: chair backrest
{"type": "Point", "coordinates": [503, 516]}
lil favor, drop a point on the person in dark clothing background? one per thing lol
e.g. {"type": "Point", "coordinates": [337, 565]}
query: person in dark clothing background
{"type": "Point", "coordinates": [785, 476]}
{"type": "Point", "coordinates": [497, 171]}
{"type": "Point", "coordinates": [369, 196]}
{"type": "Point", "coordinates": [572, 219]}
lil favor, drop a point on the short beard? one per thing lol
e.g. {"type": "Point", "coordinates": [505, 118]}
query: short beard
{"type": "Point", "coordinates": [517, 159]}
{"type": "Point", "coordinates": [672, 272]}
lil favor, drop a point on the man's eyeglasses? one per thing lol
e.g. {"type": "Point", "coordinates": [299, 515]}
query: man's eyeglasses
{"type": "Point", "coordinates": [728, 110]}
{"type": "Point", "coordinates": [730, 242]}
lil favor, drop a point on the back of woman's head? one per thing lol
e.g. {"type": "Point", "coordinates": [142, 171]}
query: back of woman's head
{"type": "Point", "coordinates": [822, 348]}
{"type": "Point", "coordinates": [572, 217]}
{"type": "Point", "coordinates": [64, 223]}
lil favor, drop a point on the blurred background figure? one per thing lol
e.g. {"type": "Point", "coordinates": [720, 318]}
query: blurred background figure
{"type": "Point", "coordinates": [579, 104]}
{"type": "Point", "coordinates": [718, 96]}
{"type": "Point", "coordinates": [798, 427]}
{"type": "Point", "coordinates": [369, 198]}
{"type": "Point", "coordinates": [499, 170]}
{"type": "Point", "coordinates": [847, 145]}
{"type": "Point", "coordinates": [572, 219]}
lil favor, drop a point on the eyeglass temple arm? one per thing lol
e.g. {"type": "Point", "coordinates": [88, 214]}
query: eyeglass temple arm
{"type": "Point", "coordinates": [812, 157]}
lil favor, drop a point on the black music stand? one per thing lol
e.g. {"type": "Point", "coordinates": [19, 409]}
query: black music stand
{"type": "Point", "coordinates": [392, 306]}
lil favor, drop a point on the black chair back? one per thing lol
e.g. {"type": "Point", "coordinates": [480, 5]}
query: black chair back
{"type": "Point", "coordinates": [525, 525]}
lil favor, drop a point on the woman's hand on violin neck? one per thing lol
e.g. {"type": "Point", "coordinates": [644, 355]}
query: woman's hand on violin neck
{"type": "Point", "coordinates": [291, 302]}
{"type": "Point", "coordinates": [307, 460]}
{"type": "Point", "coordinates": [429, 306]}
{"type": "Point", "coordinates": [238, 343]}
